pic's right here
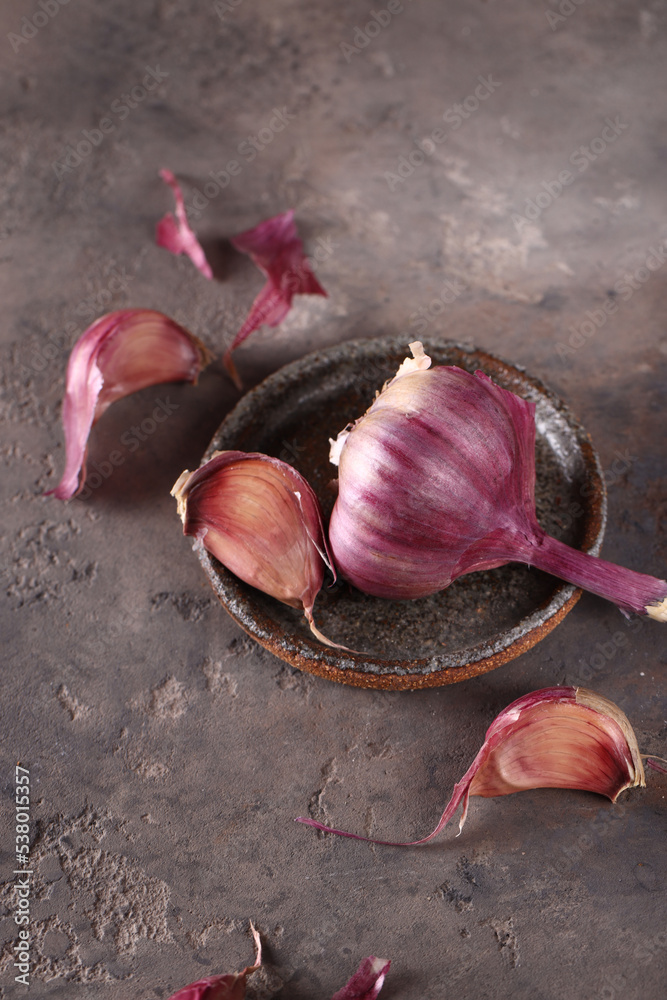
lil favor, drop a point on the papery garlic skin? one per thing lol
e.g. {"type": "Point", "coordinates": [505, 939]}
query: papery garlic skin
{"type": "Point", "coordinates": [559, 737]}
{"type": "Point", "coordinates": [231, 986]}
{"type": "Point", "coordinates": [260, 518]}
{"type": "Point", "coordinates": [276, 248]}
{"type": "Point", "coordinates": [176, 234]}
{"type": "Point", "coordinates": [437, 479]}
{"type": "Point", "coordinates": [121, 353]}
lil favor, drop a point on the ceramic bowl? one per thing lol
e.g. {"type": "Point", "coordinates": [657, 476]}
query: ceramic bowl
{"type": "Point", "coordinates": [478, 623]}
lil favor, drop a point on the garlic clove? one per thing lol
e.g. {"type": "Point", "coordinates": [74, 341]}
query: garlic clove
{"type": "Point", "coordinates": [366, 982]}
{"type": "Point", "coordinates": [227, 987]}
{"type": "Point", "coordinates": [119, 354]}
{"type": "Point", "coordinates": [176, 235]}
{"type": "Point", "coordinates": [260, 518]}
{"type": "Point", "coordinates": [560, 737]}
{"type": "Point", "coordinates": [277, 250]}
{"type": "Point", "coordinates": [437, 479]}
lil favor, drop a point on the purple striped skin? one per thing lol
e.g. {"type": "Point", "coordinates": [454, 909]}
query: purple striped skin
{"type": "Point", "coordinates": [437, 479]}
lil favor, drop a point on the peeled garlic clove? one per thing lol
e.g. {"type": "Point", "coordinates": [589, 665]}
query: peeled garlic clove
{"type": "Point", "coordinates": [227, 987]}
{"type": "Point", "coordinates": [560, 737]}
{"type": "Point", "coordinates": [119, 354]}
{"type": "Point", "coordinates": [175, 234]}
{"type": "Point", "coordinates": [437, 479]}
{"type": "Point", "coordinates": [276, 249]}
{"type": "Point", "coordinates": [260, 518]}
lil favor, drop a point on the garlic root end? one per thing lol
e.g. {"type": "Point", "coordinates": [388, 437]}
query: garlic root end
{"type": "Point", "coordinates": [658, 611]}
{"type": "Point", "coordinates": [230, 368]}
{"type": "Point", "coordinates": [178, 492]}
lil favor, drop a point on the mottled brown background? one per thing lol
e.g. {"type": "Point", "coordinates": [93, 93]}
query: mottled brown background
{"type": "Point", "coordinates": [168, 754]}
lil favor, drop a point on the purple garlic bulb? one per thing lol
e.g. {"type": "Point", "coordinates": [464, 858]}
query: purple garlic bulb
{"type": "Point", "coordinates": [437, 479]}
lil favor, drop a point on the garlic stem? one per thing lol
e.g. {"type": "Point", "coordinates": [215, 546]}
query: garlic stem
{"type": "Point", "coordinates": [629, 590]}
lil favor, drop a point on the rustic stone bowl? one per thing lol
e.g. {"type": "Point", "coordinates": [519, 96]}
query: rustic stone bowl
{"type": "Point", "coordinates": [482, 620]}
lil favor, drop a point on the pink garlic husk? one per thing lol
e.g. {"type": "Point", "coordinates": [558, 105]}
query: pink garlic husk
{"type": "Point", "coordinates": [560, 737]}
{"type": "Point", "coordinates": [276, 248]}
{"type": "Point", "coordinates": [119, 354]}
{"type": "Point", "coordinates": [231, 986]}
{"type": "Point", "coordinates": [437, 479]}
{"type": "Point", "coordinates": [176, 234]}
{"type": "Point", "coordinates": [260, 518]}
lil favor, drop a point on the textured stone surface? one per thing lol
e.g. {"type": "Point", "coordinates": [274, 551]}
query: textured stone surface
{"type": "Point", "coordinates": [168, 754]}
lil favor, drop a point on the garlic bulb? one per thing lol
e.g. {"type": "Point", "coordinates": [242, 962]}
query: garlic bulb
{"type": "Point", "coordinates": [560, 737]}
{"type": "Point", "coordinates": [259, 517]}
{"type": "Point", "coordinates": [437, 479]}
